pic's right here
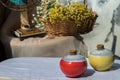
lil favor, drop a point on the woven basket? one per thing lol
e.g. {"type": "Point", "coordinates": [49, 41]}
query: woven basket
{"type": "Point", "coordinates": [62, 28]}
{"type": "Point", "coordinates": [69, 28]}
{"type": "Point", "coordinates": [87, 26]}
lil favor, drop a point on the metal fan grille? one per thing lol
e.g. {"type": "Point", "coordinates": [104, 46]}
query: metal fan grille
{"type": "Point", "coordinates": [30, 4]}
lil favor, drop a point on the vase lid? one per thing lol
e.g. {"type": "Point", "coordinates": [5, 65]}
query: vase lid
{"type": "Point", "coordinates": [101, 51]}
{"type": "Point", "coordinates": [74, 57]}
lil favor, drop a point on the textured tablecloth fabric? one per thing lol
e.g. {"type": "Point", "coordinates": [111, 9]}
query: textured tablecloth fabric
{"type": "Point", "coordinates": [44, 68]}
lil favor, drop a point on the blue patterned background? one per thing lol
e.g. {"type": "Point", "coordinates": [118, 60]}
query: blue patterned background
{"type": "Point", "coordinates": [19, 2]}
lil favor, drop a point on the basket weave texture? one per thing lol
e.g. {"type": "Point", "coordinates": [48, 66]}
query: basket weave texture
{"type": "Point", "coordinates": [70, 28]}
{"type": "Point", "coordinates": [88, 25]}
{"type": "Point", "coordinates": [61, 28]}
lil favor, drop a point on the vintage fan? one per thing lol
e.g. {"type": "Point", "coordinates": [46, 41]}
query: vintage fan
{"type": "Point", "coordinates": [24, 7]}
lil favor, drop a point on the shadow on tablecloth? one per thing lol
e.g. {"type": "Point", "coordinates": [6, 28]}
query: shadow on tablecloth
{"type": "Point", "coordinates": [115, 66]}
{"type": "Point", "coordinates": [89, 72]}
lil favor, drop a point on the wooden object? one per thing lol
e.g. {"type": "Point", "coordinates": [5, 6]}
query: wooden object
{"type": "Point", "coordinates": [28, 33]}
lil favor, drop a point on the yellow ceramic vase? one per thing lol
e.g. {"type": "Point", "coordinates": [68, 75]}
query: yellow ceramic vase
{"type": "Point", "coordinates": [101, 59]}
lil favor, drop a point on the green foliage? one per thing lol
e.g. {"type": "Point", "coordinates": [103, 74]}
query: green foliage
{"type": "Point", "coordinates": [45, 7]}
{"type": "Point", "coordinates": [75, 11]}
{"type": "Point", "coordinates": [52, 11]}
{"type": "Point", "coordinates": [42, 13]}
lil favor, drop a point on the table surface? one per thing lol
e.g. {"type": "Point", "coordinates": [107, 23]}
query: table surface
{"type": "Point", "coordinates": [46, 68]}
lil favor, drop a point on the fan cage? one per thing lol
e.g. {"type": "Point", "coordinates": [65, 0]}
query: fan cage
{"type": "Point", "coordinates": [12, 6]}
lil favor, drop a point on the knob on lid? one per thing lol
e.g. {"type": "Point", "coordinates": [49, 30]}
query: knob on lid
{"type": "Point", "coordinates": [100, 46]}
{"type": "Point", "coordinates": [73, 52]}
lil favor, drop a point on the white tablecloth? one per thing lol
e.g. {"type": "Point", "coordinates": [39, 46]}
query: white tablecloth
{"type": "Point", "coordinates": [41, 68]}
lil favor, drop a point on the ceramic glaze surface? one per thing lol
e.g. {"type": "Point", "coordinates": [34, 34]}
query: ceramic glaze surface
{"type": "Point", "coordinates": [73, 69]}
{"type": "Point", "coordinates": [101, 63]}
{"type": "Point", "coordinates": [102, 52]}
{"type": "Point", "coordinates": [73, 65]}
{"type": "Point", "coordinates": [74, 58]}
{"type": "Point", "coordinates": [101, 59]}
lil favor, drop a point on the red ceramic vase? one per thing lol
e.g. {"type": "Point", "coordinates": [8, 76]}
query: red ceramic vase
{"type": "Point", "coordinates": [73, 65]}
